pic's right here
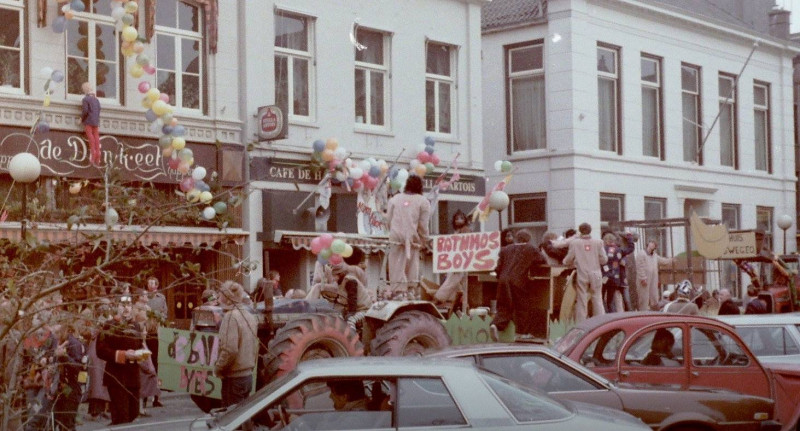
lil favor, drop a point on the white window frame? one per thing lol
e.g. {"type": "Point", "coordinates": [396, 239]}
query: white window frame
{"type": "Point", "coordinates": [310, 57]}
{"type": "Point", "coordinates": [729, 103]}
{"type": "Point", "coordinates": [369, 69]}
{"type": "Point", "coordinates": [736, 211]}
{"type": "Point", "coordinates": [439, 81]}
{"type": "Point", "coordinates": [648, 85]}
{"type": "Point", "coordinates": [770, 213]}
{"type": "Point", "coordinates": [92, 21]}
{"type": "Point", "coordinates": [620, 200]}
{"type": "Point", "coordinates": [659, 234]}
{"type": "Point", "coordinates": [615, 109]}
{"type": "Point", "coordinates": [179, 35]}
{"type": "Point", "coordinates": [763, 108]}
{"type": "Point", "coordinates": [511, 78]}
{"type": "Point", "coordinates": [19, 7]}
{"type": "Point", "coordinates": [696, 119]}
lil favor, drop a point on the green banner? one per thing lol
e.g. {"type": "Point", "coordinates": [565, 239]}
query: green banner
{"type": "Point", "coordinates": [186, 362]}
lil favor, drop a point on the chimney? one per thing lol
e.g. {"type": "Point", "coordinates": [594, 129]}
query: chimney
{"type": "Point", "coordinates": [779, 22]}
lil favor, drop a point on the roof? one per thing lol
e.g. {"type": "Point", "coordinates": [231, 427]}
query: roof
{"type": "Point", "coordinates": [762, 319]}
{"type": "Point", "coordinates": [472, 349]}
{"type": "Point", "coordinates": [382, 365]}
{"type": "Point", "coordinates": [509, 13]}
{"type": "Point", "coordinates": [597, 321]}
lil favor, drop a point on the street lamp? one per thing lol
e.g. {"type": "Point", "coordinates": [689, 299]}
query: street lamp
{"type": "Point", "coordinates": [24, 168]}
{"type": "Point", "coordinates": [784, 222]}
{"type": "Point", "coordinates": [499, 201]}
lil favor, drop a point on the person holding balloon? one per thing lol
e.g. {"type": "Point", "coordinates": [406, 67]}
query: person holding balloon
{"type": "Point", "coordinates": [90, 117]}
{"type": "Point", "coordinates": [408, 215]}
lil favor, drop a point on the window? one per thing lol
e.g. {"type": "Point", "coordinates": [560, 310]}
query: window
{"type": "Point", "coordinates": [371, 78]}
{"type": "Point", "coordinates": [768, 340]}
{"type": "Point", "coordinates": [692, 120]}
{"type": "Point", "coordinates": [656, 209]}
{"type": "Point", "coordinates": [764, 223]}
{"type": "Point", "coordinates": [179, 53]}
{"type": "Point", "coordinates": [526, 406]}
{"type": "Point", "coordinates": [93, 51]}
{"type": "Point", "coordinates": [603, 350]}
{"type": "Point", "coordinates": [729, 272]}
{"type": "Point", "coordinates": [762, 127]}
{"type": "Point", "coordinates": [608, 97]}
{"type": "Point", "coordinates": [526, 101]}
{"type": "Point", "coordinates": [612, 209]}
{"type": "Point", "coordinates": [711, 347]}
{"type": "Point", "coordinates": [294, 65]}
{"type": "Point", "coordinates": [440, 87]}
{"type": "Point", "coordinates": [727, 121]}
{"type": "Point", "coordinates": [662, 347]}
{"type": "Point", "coordinates": [537, 371]}
{"type": "Point", "coordinates": [530, 211]}
{"type": "Point", "coordinates": [731, 216]}
{"type": "Point", "coordinates": [426, 402]}
{"type": "Point", "coordinates": [12, 55]}
{"type": "Point", "coordinates": [651, 107]}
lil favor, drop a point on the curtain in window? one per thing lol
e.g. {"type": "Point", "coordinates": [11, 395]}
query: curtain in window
{"type": "Point", "coordinates": [607, 114]}
{"type": "Point", "coordinates": [650, 122]}
{"type": "Point", "coordinates": [529, 113]}
{"type": "Point", "coordinates": [725, 135]}
{"type": "Point", "coordinates": [761, 140]}
{"type": "Point", "coordinates": [690, 138]}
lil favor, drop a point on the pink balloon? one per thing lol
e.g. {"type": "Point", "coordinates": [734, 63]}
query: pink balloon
{"type": "Point", "coordinates": [149, 69]}
{"type": "Point", "coordinates": [335, 259]}
{"type": "Point", "coordinates": [423, 157]}
{"type": "Point", "coordinates": [435, 160]}
{"type": "Point", "coordinates": [187, 184]}
{"type": "Point", "coordinates": [357, 184]}
{"type": "Point", "coordinates": [316, 246]}
{"type": "Point", "coordinates": [144, 86]}
{"type": "Point", "coordinates": [325, 240]}
{"type": "Point", "coordinates": [164, 97]}
{"type": "Point", "coordinates": [173, 163]}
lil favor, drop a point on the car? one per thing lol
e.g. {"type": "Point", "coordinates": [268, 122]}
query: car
{"type": "Point", "coordinates": [397, 393]}
{"type": "Point", "coordinates": [771, 337]}
{"type": "Point", "coordinates": [662, 408]}
{"type": "Point", "coordinates": [681, 350]}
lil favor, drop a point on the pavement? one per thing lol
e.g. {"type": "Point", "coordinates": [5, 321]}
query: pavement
{"type": "Point", "coordinates": [177, 413]}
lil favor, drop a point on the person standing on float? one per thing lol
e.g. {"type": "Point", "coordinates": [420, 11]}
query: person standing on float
{"type": "Point", "coordinates": [408, 215]}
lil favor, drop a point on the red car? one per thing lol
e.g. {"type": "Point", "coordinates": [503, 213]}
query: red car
{"type": "Point", "coordinates": [689, 351]}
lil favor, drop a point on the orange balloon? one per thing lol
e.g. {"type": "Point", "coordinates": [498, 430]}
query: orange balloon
{"type": "Point", "coordinates": [331, 144]}
{"type": "Point", "coordinates": [327, 155]}
{"type": "Point", "coordinates": [421, 170]}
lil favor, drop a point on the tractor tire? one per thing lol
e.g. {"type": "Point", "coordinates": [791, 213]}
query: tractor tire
{"type": "Point", "coordinates": [409, 334]}
{"type": "Point", "coordinates": [314, 336]}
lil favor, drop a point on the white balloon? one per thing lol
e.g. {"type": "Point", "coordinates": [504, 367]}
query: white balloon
{"type": "Point", "coordinates": [356, 173]}
{"type": "Point", "coordinates": [348, 162]}
{"type": "Point", "coordinates": [112, 216]}
{"type": "Point", "coordinates": [339, 175]}
{"type": "Point", "coordinates": [498, 165]}
{"type": "Point", "coordinates": [198, 173]}
{"type": "Point", "coordinates": [414, 163]}
{"type": "Point", "coordinates": [402, 175]}
{"type": "Point", "coordinates": [117, 13]}
{"type": "Point", "coordinates": [364, 165]}
{"type": "Point", "coordinates": [46, 72]}
{"type": "Point", "coordinates": [340, 153]}
{"type": "Point", "coordinates": [498, 200]}
{"type": "Point", "coordinates": [209, 213]}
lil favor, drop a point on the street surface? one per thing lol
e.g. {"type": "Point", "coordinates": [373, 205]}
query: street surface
{"type": "Point", "coordinates": [177, 413]}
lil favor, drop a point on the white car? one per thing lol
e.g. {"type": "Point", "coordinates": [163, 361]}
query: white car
{"type": "Point", "coordinates": [404, 393]}
{"type": "Point", "coordinates": [771, 337]}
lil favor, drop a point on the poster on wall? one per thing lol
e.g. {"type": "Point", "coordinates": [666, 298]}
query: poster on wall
{"type": "Point", "coordinates": [370, 220]}
{"type": "Point", "coordinates": [466, 252]}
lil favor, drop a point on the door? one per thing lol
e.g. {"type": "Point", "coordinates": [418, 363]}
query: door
{"type": "Point", "coordinates": [655, 355]}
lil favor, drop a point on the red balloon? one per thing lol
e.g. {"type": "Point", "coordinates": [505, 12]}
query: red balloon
{"type": "Point", "coordinates": [357, 184]}
{"type": "Point", "coordinates": [316, 247]}
{"type": "Point", "coordinates": [173, 163]}
{"type": "Point", "coordinates": [435, 160]}
{"type": "Point", "coordinates": [335, 259]}
{"type": "Point", "coordinates": [423, 157]}
{"type": "Point", "coordinates": [187, 184]}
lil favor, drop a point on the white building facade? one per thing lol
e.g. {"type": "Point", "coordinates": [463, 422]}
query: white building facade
{"type": "Point", "coordinates": [620, 110]}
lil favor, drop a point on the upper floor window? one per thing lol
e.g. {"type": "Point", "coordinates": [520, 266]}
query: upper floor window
{"type": "Point", "coordinates": [727, 121]}
{"type": "Point", "coordinates": [526, 97]}
{"type": "Point", "coordinates": [92, 48]}
{"type": "Point", "coordinates": [761, 117]}
{"type": "Point", "coordinates": [690, 105]}
{"type": "Point", "coordinates": [608, 97]}
{"type": "Point", "coordinates": [440, 87]}
{"type": "Point", "coordinates": [294, 64]}
{"type": "Point", "coordinates": [12, 54]}
{"type": "Point", "coordinates": [612, 209]}
{"type": "Point", "coordinates": [731, 214]}
{"type": "Point", "coordinates": [372, 78]}
{"type": "Point", "coordinates": [530, 211]}
{"type": "Point", "coordinates": [651, 107]}
{"type": "Point", "coordinates": [179, 53]}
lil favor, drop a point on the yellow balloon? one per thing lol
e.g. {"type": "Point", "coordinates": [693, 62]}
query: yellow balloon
{"type": "Point", "coordinates": [136, 70]}
{"type": "Point", "coordinates": [178, 143]}
{"type": "Point", "coordinates": [146, 103]}
{"type": "Point", "coordinates": [153, 94]}
{"type": "Point", "coordinates": [129, 34]}
{"type": "Point", "coordinates": [131, 7]}
{"type": "Point", "coordinates": [421, 170]}
{"type": "Point", "coordinates": [159, 107]}
{"type": "Point", "coordinates": [193, 195]}
{"type": "Point", "coordinates": [205, 197]}
{"type": "Point", "coordinates": [348, 250]}
{"type": "Point", "coordinates": [331, 144]}
{"type": "Point", "coordinates": [46, 101]}
{"type": "Point", "coordinates": [127, 52]}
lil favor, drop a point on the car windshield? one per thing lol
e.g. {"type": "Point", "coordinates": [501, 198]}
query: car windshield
{"type": "Point", "coordinates": [229, 415]}
{"type": "Point", "coordinates": [568, 341]}
{"type": "Point", "coordinates": [525, 404]}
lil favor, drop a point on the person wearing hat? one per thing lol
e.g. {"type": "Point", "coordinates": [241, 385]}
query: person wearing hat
{"type": "Point", "coordinates": [238, 345]}
{"type": "Point", "coordinates": [347, 289]}
{"type": "Point", "coordinates": [683, 304]}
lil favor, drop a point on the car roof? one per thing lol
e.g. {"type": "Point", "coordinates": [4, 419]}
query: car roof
{"type": "Point", "coordinates": [761, 319]}
{"type": "Point", "coordinates": [646, 316]}
{"type": "Point", "coordinates": [381, 365]}
{"type": "Point", "coordinates": [473, 349]}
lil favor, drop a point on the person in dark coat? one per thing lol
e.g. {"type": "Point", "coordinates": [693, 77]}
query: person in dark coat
{"type": "Point", "coordinates": [117, 344]}
{"type": "Point", "coordinates": [756, 305]}
{"type": "Point", "coordinates": [727, 306]}
{"type": "Point", "coordinates": [513, 296]}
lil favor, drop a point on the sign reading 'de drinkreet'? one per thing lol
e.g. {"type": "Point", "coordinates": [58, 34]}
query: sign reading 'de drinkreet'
{"type": "Point", "coordinates": [464, 252]}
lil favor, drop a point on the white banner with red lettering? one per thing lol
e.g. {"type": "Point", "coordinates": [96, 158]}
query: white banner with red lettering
{"type": "Point", "coordinates": [465, 252]}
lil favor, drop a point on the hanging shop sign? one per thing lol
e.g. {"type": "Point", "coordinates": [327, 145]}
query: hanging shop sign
{"type": "Point", "coordinates": [271, 123]}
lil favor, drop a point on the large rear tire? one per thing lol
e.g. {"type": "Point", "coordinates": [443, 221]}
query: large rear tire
{"type": "Point", "coordinates": [314, 336]}
{"type": "Point", "coordinates": [409, 334]}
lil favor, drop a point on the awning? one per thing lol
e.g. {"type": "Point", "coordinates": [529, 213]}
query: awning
{"type": "Point", "coordinates": [162, 235]}
{"type": "Point", "coordinates": [301, 240]}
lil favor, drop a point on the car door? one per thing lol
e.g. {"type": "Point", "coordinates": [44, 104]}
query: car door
{"type": "Point", "coordinates": [655, 355]}
{"type": "Point", "coordinates": [718, 358]}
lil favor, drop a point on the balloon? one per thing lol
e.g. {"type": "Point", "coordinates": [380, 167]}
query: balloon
{"type": "Point", "coordinates": [167, 119]}
{"type": "Point", "coordinates": [159, 107]}
{"type": "Point", "coordinates": [326, 239]}
{"type": "Point", "coordinates": [316, 247]}
{"type": "Point", "coordinates": [75, 188]}
{"type": "Point", "coordinates": [413, 164]}
{"type": "Point", "coordinates": [205, 197]}
{"type": "Point", "coordinates": [193, 195]}
{"type": "Point", "coordinates": [202, 186]}
{"type": "Point", "coordinates": [429, 149]}
{"type": "Point", "coordinates": [129, 33]}
{"type": "Point", "coordinates": [144, 87]}
{"type": "Point", "coordinates": [357, 184]}
{"type": "Point", "coordinates": [127, 19]}
{"type": "Point", "coordinates": [131, 7]}
{"type": "Point", "coordinates": [395, 184]}
{"type": "Point", "coordinates": [335, 259]}
{"type": "Point", "coordinates": [186, 155]}
{"type": "Point", "coordinates": [166, 140]}
{"type": "Point", "coordinates": [428, 167]}
{"type": "Point", "coordinates": [187, 184]}
{"type": "Point", "coordinates": [173, 163]}
{"type": "Point", "coordinates": [174, 122]}
{"type": "Point", "coordinates": [421, 170]}
{"type": "Point", "coordinates": [164, 97]}
{"type": "Point", "coordinates": [435, 160]}
{"type": "Point", "coordinates": [149, 115]}
{"type": "Point", "coordinates": [57, 76]}
{"type": "Point", "coordinates": [152, 94]}
{"type": "Point", "coordinates": [178, 130]}
{"type": "Point", "coordinates": [68, 14]}
{"type": "Point", "coordinates": [46, 72]}
{"type": "Point", "coordinates": [325, 253]}
{"type": "Point", "coordinates": [327, 155]}
{"type": "Point", "coordinates": [142, 60]}
{"type": "Point", "coordinates": [112, 216]}
{"type": "Point", "coordinates": [318, 145]}
{"type": "Point", "coordinates": [340, 176]}
{"type": "Point", "coordinates": [77, 6]}
{"type": "Point", "coordinates": [331, 144]}
{"type": "Point", "coordinates": [136, 70]}
{"type": "Point", "coordinates": [322, 260]}
{"type": "Point", "coordinates": [498, 200]}
{"type": "Point", "coordinates": [146, 103]}
{"type": "Point", "coordinates": [199, 173]}
{"type": "Point", "coordinates": [220, 207]}
{"type": "Point", "coordinates": [167, 152]}
{"type": "Point", "coordinates": [348, 251]}
{"type": "Point", "coordinates": [505, 166]}
{"type": "Point", "coordinates": [356, 173]}
{"type": "Point", "coordinates": [138, 47]}
{"type": "Point", "coordinates": [340, 153]}
{"type": "Point", "coordinates": [402, 175]}
{"type": "Point", "coordinates": [338, 246]}
{"type": "Point", "coordinates": [423, 157]}
{"type": "Point", "coordinates": [178, 143]}
{"type": "Point", "coordinates": [429, 141]}
{"type": "Point", "coordinates": [209, 213]}
{"type": "Point", "coordinates": [117, 13]}
{"type": "Point", "coordinates": [43, 127]}
{"type": "Point", "coordinates": [59, 24]}
{"type": "Point", "coordinates": [375, 171]}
